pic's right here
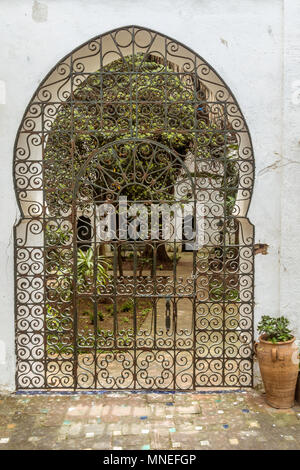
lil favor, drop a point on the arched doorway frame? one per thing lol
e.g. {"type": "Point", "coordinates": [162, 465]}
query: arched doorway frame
{"type": "Point", "coordinates": [30, 143]}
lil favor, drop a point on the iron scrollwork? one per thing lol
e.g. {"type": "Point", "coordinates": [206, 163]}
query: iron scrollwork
{"type": "Point", "coordinates": [132, 114]}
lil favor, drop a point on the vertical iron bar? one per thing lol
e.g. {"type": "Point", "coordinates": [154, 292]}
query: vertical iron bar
{"type": "Point", "coordinates": [74, 225]}
{"type": "Point", "coordinates": [95, 293]}
{"type": "Point", "coordinates": [44, 251]}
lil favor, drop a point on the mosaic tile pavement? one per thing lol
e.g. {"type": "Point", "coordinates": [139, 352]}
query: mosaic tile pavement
{"type": "Point", "coordinates": [231, 420]}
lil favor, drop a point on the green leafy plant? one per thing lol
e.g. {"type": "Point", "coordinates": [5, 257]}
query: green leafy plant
{"type": "Point", "coordinates": [275, 329]}
{"type": "Point", "coordinates": [145, 312]}
{"type": "Point", "coordinates": [219, 292]}
{"type": "Point", "coordinates": [177, 257]}
{"type": "Point", "coordinates": [85, 268]}
{"type": "Point", "coordinates": [57, 236]}
{"type": "Point", "coordinates": [100, 317]}
{"type": "Point", "coordinates": [99, 127]}
{"type": "Point", "coordinates": [110, 309]}
{"type": "Point", "coordinates": [138, 99]}
{"type": "Point", "coordinates": [127, 306]}
{"type": "Point", "coordinates": [52, 318]}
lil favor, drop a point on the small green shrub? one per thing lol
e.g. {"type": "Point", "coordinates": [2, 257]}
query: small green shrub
{"type": "Point", "coordinates": [85, 268]}
{"type": "Point", "coordinates": [127, 306]}
{"type": "Point", "coordinates": [176, 257]}
{"type": "Point", "coordinates": [219, 293]}
{"type": "Point", "coordinates": [56, 236]}
{"type": "Point", "coordinates": [145, 312]}
{"type": "Point", "coordinates": [110, 309]}
{"type": "Point", "coordinates": [100, 317]}
{"type": "Point", "coordinates": [275, 329]}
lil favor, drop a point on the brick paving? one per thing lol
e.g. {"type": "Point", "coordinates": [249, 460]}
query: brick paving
{"type": "Point", "coordinates": [149, 421]}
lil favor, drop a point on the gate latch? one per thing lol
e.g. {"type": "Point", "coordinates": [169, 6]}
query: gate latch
{"type": "Point", "coordinates": [168, 313]}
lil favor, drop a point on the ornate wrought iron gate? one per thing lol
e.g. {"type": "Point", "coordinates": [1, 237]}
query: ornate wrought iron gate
{"type": "Point", "coordinates": [128, 122]}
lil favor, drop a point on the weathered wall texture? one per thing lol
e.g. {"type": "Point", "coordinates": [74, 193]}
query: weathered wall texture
{"type": "Point", "coordinates": [255, 47]}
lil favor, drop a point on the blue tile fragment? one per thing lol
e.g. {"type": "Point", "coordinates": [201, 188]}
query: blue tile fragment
{"type": "Point", "coordinates": [225, 426]}
{"type": "Point", "coordinates": [245, 410]}
{"type": "Point", "coordinates": [143, 417]}
{"type": "Point", "coordinates": [169, 403]}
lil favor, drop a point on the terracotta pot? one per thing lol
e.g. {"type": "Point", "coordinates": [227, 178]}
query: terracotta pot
{"type": "Point", "coordinates": [278, 365]}
{"type": "Point", "coordinates": [298, 389]}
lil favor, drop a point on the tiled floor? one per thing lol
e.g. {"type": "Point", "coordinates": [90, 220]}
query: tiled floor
{"type": "Point", "coordinates": [234, 420]}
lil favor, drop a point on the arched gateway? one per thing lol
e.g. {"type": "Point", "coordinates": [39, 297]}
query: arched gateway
{"type": "Point", "coordinates": [134, 254]}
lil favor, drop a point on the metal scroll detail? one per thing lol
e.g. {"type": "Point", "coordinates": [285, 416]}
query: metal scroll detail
{"type": "Point", "coordinates": [133, 117]}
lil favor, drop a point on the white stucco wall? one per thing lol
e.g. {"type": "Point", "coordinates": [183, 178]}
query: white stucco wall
{"type": "Point", "coordinates": [255, 47]}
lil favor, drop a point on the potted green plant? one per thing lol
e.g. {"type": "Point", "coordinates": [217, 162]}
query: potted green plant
{"type": "Point", "coordinates": [297, 396]}
{"type": "Point", "coordinates": [278, 361]}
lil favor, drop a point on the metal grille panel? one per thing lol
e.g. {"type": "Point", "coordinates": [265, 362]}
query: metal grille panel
{"type": "Point", "coordinates": [133, 115]}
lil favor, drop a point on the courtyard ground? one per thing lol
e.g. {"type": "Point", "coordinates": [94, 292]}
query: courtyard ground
{"type": "Point", "coordinates": [214, 420]}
